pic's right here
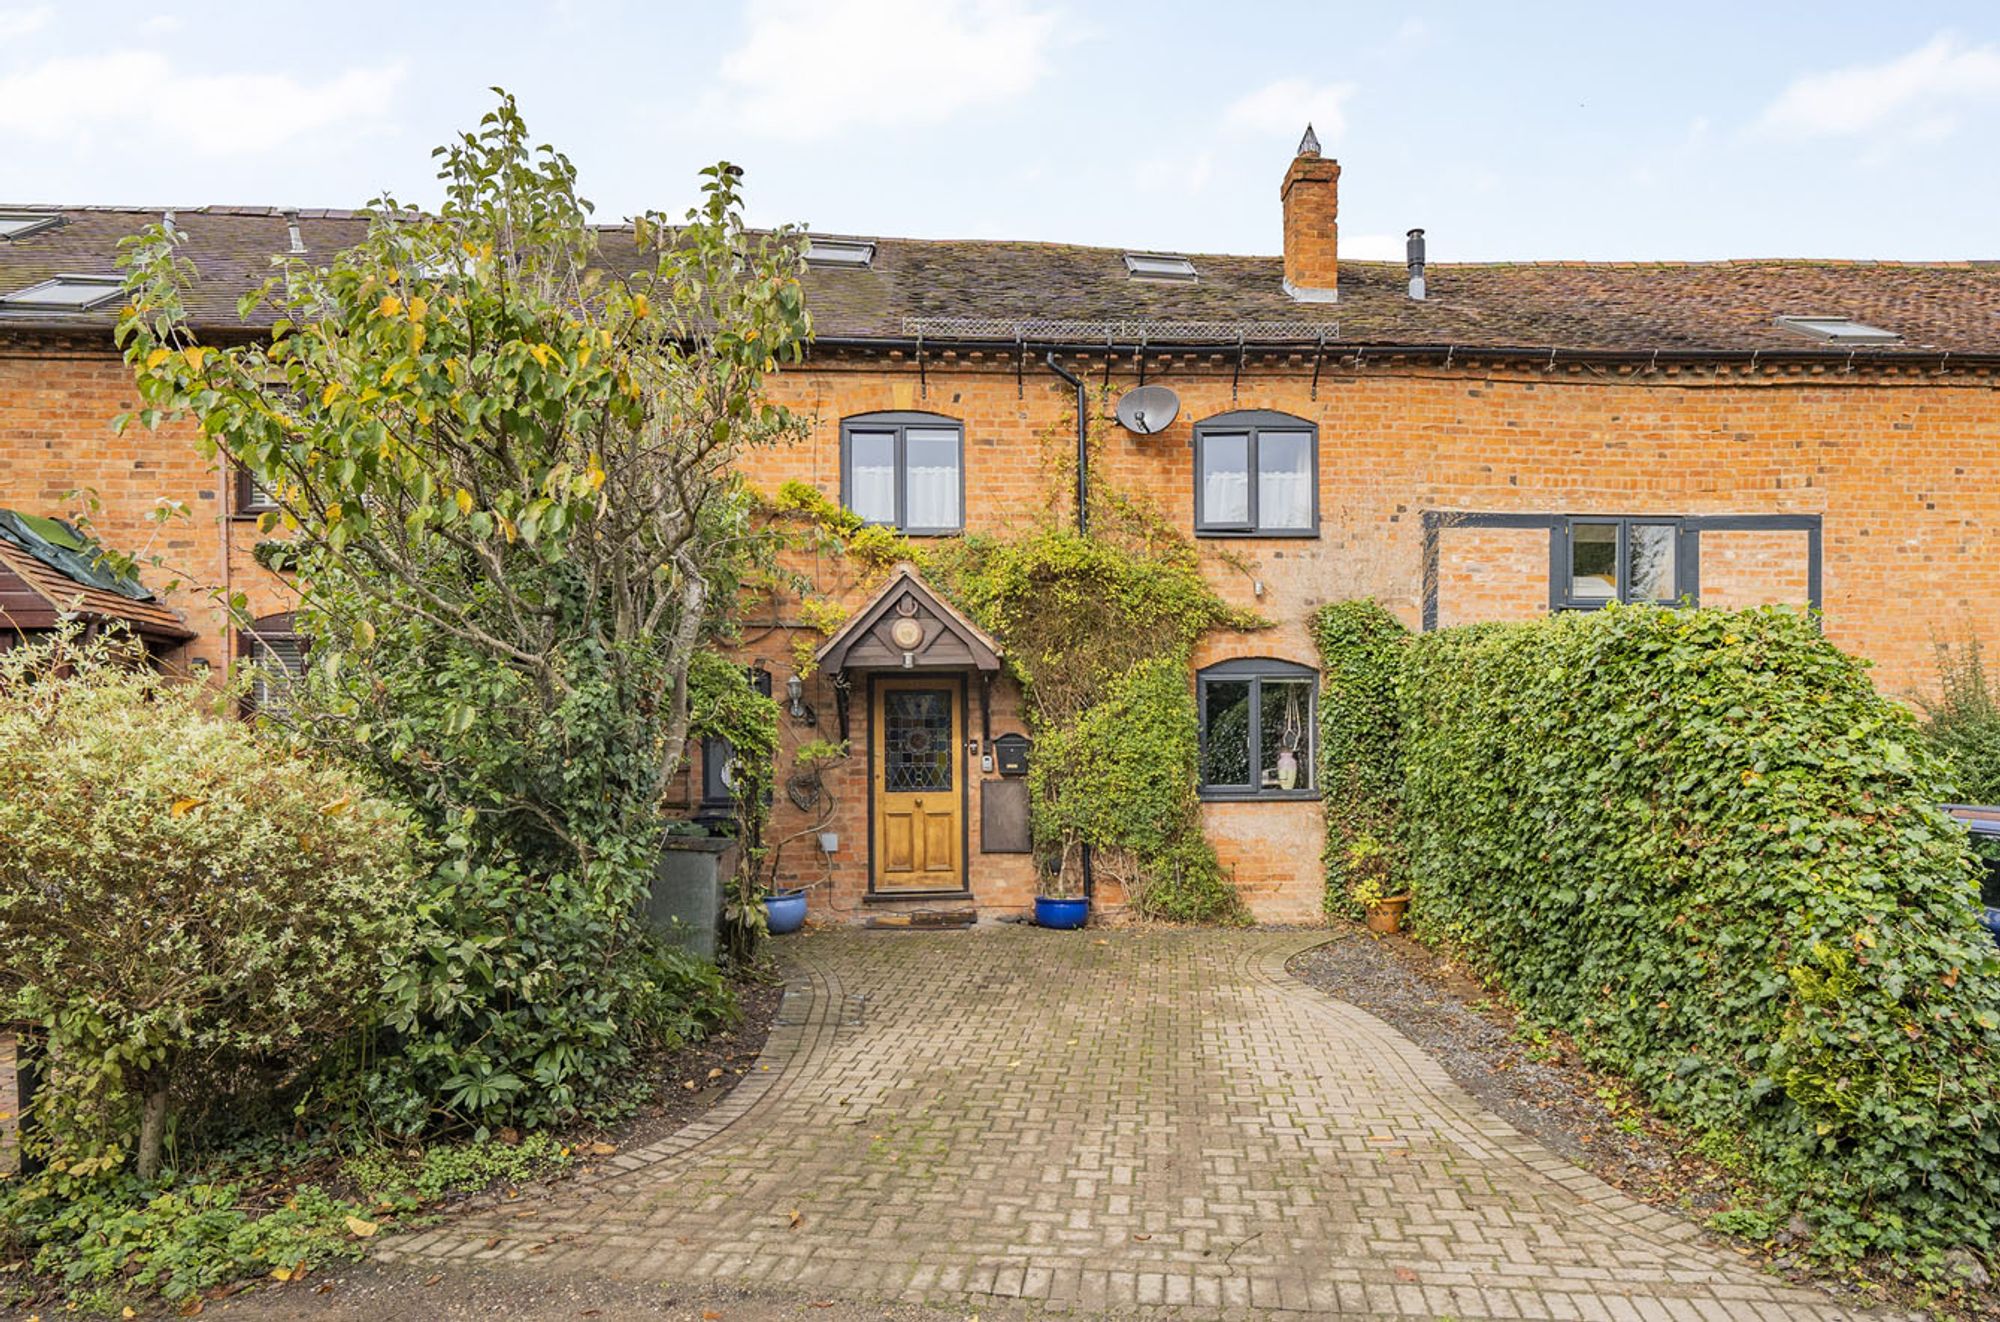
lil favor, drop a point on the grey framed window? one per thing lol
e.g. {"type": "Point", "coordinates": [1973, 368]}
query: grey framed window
{"type": "Point", "coordinates": [905, 471]}
{"type": "Point", "coordinates": [1258, 726]}
{"type": "Point", "coordinates": [1256, 474]}
{"type": "Point", "coordinates": [275, 652]}
{"type": "Point", "coordinates": [252, 498]}
{"type": "Point", "coordinates": [1686, 552]}
{"type": "Point", "coordinates": [719, 765]}
{"type": "Point", "coordinates": [1636, 559]}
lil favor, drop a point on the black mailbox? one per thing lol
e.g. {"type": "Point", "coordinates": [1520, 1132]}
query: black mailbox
{"type": "Point", "coordinates": [1010, 755]}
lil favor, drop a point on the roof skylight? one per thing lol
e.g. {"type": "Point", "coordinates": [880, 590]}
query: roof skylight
{"type": "Point", "coordinates": [840, 252]}
{"type": "Point", "coordinates": [66, 293]}
{"type": "Point", "coordinates": [1158, 266]}
{"type": "Point", "coordinates": [1839, 330]}
{"type": "Point", "coordinates": [20, 224]}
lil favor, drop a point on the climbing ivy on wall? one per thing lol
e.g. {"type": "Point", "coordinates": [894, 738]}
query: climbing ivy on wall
{"type": "Point", "coordinates": [1099, 631]}
{"type": "Point", "coordinates": [1360, 647]}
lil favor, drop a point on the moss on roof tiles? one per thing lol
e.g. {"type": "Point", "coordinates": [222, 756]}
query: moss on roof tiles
{"type": "Point", "coordinates": [1630, 306]}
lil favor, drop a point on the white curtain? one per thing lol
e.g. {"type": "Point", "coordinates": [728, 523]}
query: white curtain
{"type": "Point", "coordinates": [871, 476]}
{"type": "Point", "coordinates": [1284, 480]}
{"type": "Point", "coordinates": [1225, 479]}
{"type": "Point", "coordinates": [930, 491]}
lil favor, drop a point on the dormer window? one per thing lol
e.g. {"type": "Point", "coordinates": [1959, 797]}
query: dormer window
{"type": "Point", "coordinates": [1839, 330]}
{"type": "Point", "coordinates": [66, 293]}
{"type": "Point", "coordinates": [20, 224]}
{"type": "Point", "coordinates": [1159, 266]}
{"type": "Point", "coordinates": [851, 253]}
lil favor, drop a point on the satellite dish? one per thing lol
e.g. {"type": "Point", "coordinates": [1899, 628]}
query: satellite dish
{"type": "Point", "coordinates": [1148, 410]}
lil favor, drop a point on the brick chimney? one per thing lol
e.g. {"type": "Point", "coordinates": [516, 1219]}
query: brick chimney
{"type": "Point", "coordinates": [1312, 236]}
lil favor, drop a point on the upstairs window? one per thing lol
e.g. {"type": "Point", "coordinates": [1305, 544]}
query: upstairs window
{"type": "Point", "coordinates": [251, 496]}
{"type": "Point", "coordinates": [1840, 330]}
{"type": "Point", "coordinates": [1624, 559]}
{"type": "Point", "coordinates": [66, 293]}
{"type": "Point", "coordinates": [840, 252]}
{"type": "Point", "coordinates": [1159, 266]}
{"type": "Point", "coordinates": [905, 471]}
{"type": "Point", "coordinates": [1257, 727]}
{"type": "Point", "coordinates": [1256, 474]}
{"type": "Point", "coordinates": [20, 224]}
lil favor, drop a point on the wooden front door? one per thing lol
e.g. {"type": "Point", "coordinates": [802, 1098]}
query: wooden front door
{"type": "Point", "coordinates": [918, 785]}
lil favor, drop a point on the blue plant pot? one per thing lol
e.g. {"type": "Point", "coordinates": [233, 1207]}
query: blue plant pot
{"type": "Point", "coordinates": [785, 912]}
{"type": "Point", "coordinates": [1066, 914]}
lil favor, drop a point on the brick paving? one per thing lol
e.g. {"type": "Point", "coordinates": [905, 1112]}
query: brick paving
{"type": "Point", "coordinates": [1147, 1122]}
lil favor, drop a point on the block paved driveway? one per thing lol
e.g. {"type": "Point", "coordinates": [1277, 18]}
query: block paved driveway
{"type": "Point", "coordinates": [1134, 1121]}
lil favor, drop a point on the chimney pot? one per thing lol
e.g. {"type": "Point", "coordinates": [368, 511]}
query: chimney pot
{"type": "Point", "coordinates": [1416, 257]}
{"type": "Point", "coordinates": [1311, 198]}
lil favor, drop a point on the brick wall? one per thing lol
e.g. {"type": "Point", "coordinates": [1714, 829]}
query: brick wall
{"type": "Point", "coordinates": [57, 402]}
{"type": "Point", "coordinates": [1904, 472]}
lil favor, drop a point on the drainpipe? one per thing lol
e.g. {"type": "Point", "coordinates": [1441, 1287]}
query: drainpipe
{"type": "Point", "coordinates": [1082, 525]}
{"type": "Point", "coordinates": [1082, 483]}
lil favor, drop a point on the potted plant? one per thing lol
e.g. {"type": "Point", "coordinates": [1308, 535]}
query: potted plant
{"type": "Point", "coordinates": [1059, 900]}
{"type": "Point", "coordinates": [1371, 869]}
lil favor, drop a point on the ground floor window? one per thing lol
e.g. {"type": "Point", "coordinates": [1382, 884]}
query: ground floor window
{"type": "Point", "coordinates": [1257, 724]}
{"type": "Point", "coordinates": [276, 653]}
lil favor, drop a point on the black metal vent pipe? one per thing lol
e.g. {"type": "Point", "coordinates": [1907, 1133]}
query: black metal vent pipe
{"type": "Point", "coordinates": [1082, 458]}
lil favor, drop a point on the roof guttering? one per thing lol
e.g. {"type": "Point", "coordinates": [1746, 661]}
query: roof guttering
{"type": "Point", "coordinates": [1551, 355]}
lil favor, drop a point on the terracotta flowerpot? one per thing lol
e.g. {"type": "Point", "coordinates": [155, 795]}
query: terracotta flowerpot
{"type": "Point", "coordinates": [1386, 916]}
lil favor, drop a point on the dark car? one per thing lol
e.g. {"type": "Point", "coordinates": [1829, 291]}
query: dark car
{"type": "Point", "coordinates": [1983, 820]}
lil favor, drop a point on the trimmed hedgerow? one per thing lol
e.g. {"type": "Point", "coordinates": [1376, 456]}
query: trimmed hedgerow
{"type": "Point", "coordinates": [1703, 844]}
{"type": "Point", "coordinates": [1360, 646]}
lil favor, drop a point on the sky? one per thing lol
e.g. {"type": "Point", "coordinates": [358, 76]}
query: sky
{"type": "Point", "coordinates": [1509, 131]}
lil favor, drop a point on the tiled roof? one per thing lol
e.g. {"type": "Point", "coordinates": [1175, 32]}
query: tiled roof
{"type": "Point", "coordinates": [986, 290]}
{"type": "Point", "coordinates": [41, 583]}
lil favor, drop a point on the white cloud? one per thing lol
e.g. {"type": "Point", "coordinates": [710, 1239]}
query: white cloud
{"type": "Point", "coordinates": [810, 68]}
{"type": "Point", "coordinates": [15, 23]}
{"type": "Point", "coordinates": [1374, 247]}
{"type": "Point", "coordinates": [1284, 108]}
{"type": "Point", "coordinates": [75, 98]}
{"type": "Point", "coordinates": [1181, 174]}
{"type": "Point", "coordinates": [1912, 94]}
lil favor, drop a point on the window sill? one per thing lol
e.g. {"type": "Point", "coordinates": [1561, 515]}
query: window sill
{"type": "Point", "coordinates": [1241, 534]}
{"type": "Point", "coordinates": [1258, 796]}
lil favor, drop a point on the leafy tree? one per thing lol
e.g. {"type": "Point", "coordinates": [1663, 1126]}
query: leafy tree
{"type": "Point", "coordinates": [174, 894]}
{"type": "Point", "coordinates": [501, 443]}
{"type": "Point", "coordinates": [1962, 720]}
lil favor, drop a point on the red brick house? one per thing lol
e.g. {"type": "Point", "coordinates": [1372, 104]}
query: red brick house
{"type": "Point", "coordinates": [1464, 441]}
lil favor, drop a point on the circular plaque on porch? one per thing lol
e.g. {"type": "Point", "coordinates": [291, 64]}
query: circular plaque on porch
{"type": "Point", "coordinates": [907, 634]}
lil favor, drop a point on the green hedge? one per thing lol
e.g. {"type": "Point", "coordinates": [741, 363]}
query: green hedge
{"type": "Point", "coordinates": [1704, 845]}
